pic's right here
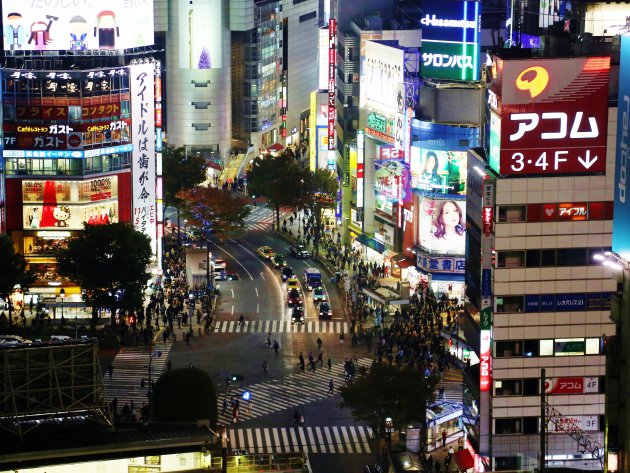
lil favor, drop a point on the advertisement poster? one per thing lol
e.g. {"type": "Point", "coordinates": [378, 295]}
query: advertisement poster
{"type": "Point", "coordinates": [441, 172]}
{"type": "Point", "coordinates": [391, 179]}
{"type": "Point", "coordinates": [78, 25]}
{"type": "Point", "coordinates": [443, 226]}
{"type": "Point", "coordinates": [554, 115]}
{"type": "Point", "coordinates": [381, 72]}
{"type": "Point", "coordinates": [200, 34]}
{"type": "Point", "coordinates": [69, 192]}
{"type": "Point", "coordinates": [69, 217]}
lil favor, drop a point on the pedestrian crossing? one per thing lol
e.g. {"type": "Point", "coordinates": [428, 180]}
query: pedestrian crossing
{"type": "Point", "coordinates": [291, 391]}
{"type": "Point", "coordinates": [318, 439]}
{"type": "Point", "coordinates": [280, 326]}
{"type": "Point", "coordinates": [130, 367]}
{"type": "Point", "coordinates": [260, 218]}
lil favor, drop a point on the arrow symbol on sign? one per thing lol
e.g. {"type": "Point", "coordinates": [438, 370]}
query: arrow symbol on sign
{"type": "Point", "coordinates": [587, 162]}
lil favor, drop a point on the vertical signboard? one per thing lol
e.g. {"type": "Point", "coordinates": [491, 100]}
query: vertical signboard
{"type": "Point", "coordinates": [621, 214]}
{"type": "Point", "coordinates": [142, 91]}
{"type": "Point", "coordinates": [360, 167]}
{"type": "Point", "coordinates": [322, 53]}
{"type": "Point", "coordinates": [450, 39]}
{"type": "Point", "coordinates": [332, 68]}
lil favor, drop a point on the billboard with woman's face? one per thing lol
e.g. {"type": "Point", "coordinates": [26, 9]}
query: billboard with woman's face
{"type": "Point", "coordinates": [441, 172]}
{"type": "Point", "coordinates": [443, 226]}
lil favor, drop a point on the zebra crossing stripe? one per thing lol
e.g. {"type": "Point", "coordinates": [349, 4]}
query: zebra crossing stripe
{"type": "Point", "coordinates": [280, 326]}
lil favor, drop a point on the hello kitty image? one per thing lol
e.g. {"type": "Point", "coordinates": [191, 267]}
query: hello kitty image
{"type": "Point", "coordinates": [61, 215]}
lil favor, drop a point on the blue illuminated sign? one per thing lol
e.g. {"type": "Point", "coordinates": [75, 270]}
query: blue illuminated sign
{"type": "Point", "coordinates": [621, 214]}
{"type": "Point", "coordinates": [90, 153]}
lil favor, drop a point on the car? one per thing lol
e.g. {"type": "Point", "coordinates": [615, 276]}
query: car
{"type": "Point", "coordinates": [297, 315]}
{"type": "Point", "coordinates": [219, 264]}
{"type": "Point", "coordinates": [319, 295]}
{"type": "Point", "coordinates": [233, 277]}
{"type": "Point", "coordinates": [220, 275]}
{"type": "Point", "coordinates": [298, 251]}
{"type": "Point", "coordinates": [265, 252]}
{"type": "Point", "coordinates": [325, 312]}
{"type": "Point", "coordinates": [13, 340]}
{"type": "Point", "coordinates": [59, 338]}
{"type": "Point", "coordinates": [286, 272]}
{"type": "Point", "coordinates": [372, 468]}
{"type": "Point", "coordinates": [279, 261]}
{"type": "Point", "coordinates": [293, 283]}
{"type": "Point", "coordinates": [294, 298]}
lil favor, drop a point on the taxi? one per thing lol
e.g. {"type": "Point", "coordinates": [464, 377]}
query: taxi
{"type": "Point", "coordinates": [265, 252]}
{"type": "Point", "coordinates": [293, 283]}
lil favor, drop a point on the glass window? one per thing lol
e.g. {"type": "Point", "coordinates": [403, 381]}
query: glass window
{"type": "Point", "coordinates": [510, 304]}
{"type": "Point", "coordinates": [532, 258]}
{"type": "Point", "coordinates": [8, 112]}
{"type": "Point", "coordinates": [546, 347]}
{"type": "Point", "coordinates": [548, 258]}
{"type": "Point", "coordinates": [124, 109]}
{"type": "Point", "coordinates": [508, 426]}
{"type": "Point", "coordinates": [530, 425]}
{"type": "Point", "coordinates": [74, 113]}
{"type": "Point", "coordinates": [512, 213]}
{"type": "Point", "coordinates": [530, 386]}
{"type": "Point", "coordinates": [592, 346]}
{"type": "Point", "coordinates": [571, 257]}
{"type": "Point", "coordinates": [511, 259]}
{"type": "Point", "coordinates": [508, 348]}
{"type": "Point", "coordinates": [508, 387]}
{"type": "Point", "coordinates": [531, 348]}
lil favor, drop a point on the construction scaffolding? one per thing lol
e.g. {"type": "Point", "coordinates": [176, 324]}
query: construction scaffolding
{"type": "Point", "coordinates": [40, 383]}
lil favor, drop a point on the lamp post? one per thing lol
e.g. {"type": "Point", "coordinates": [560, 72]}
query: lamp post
{"type": "Point", "coordinates": [389, 425]}
{"type": "Point", "coordinates": [62, 296]}
{"type": "Point", "coordinates": [617, 431]}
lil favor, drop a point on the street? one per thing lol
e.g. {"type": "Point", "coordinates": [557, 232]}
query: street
{"type": "Point", "coordinates": [332, 438]}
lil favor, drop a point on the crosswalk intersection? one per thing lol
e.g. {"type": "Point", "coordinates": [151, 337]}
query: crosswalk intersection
{"type": "Point", "coordinates": [318, 439]}
{"type": "Point", "coordinates": [280, 326]}
{"type": "Point", "coordinates": [260, 218]}
{"type": "Point", "coordinates": [130, 367]}
{"type": "Point", "coordinates": [292, 391]}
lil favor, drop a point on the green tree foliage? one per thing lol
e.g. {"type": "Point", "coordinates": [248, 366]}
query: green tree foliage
{"type": "Point", "coordinates": [214, 211]}
{"type": "Point", "coordinates": [277, 178]}
{"type": "Point", "coordinates": [180, 172]}
{"type": "Point", "coordinates": [389, 391]}
{"type": "Point", "coordinates": [184, 395]}
{"type": "Point", "coordinates": [318, 192]}
{"type": "Point", "coordinates": [13, 269]}
{"type": "Point", "coordinates": [109, 262]}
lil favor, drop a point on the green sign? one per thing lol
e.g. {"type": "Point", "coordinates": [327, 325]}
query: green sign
{"type": "Point", "coordinates": [494, 154]}
{"type": "Point", "coordinates": [573, 347]}
{"type": "Point", "coordinates": [485, 319]}
{"type": "Point", "coordinates": [455, 61]}
{"type": "Point", "coordinates": [379, 123]}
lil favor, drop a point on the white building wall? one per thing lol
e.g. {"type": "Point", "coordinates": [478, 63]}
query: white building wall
{"type": "Point", "coordinates": [303, 42]}
{"type": "Point", "coordinates": [184, 88]}
{"type": "Point", "coordinates": [548, 280]}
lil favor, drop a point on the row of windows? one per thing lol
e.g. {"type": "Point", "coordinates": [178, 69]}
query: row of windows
{"type": "Point", "coordinates": [549, 347]}
{"type": "Point", "coordinates": [531, 387]}
{"type": "Point", "coordinates": [527, 425]}
{"type": "Point", "coordinates": [67, 167]}
{"type": "Point", "coordinates": [561, 302]}
{"type": "Point", "coordinates": [549, 258]}
{"type": "Point", "coordinates": [556, 212]}
{"type": "Point", "coordinates": [308, 16]}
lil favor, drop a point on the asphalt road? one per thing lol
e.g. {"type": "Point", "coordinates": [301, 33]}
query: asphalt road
{"type": "Point", "coordinates": [260, 296]}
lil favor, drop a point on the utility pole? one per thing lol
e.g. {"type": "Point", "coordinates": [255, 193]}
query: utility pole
{"type": "Point", "coordinates": [543, 423]}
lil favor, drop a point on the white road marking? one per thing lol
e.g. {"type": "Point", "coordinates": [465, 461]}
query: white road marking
{"type": "Point", "coordinates": [262, 275]}
{"type": "Point", "coordinates": [256, 289]}
{"type": "Point", "coordinates": [257, 308]}
{"type": "Point", "coordinates": [232, 312]}
{"type": "Point", "coordinates": [237, 261]}
{"type": "Point", "coordinates": [232, 290]}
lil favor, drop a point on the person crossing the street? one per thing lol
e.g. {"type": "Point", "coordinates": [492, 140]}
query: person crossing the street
{"type": "Point", "coordinates": [265, 367]}
{"type": "Point", "coordinates": [331, 387]}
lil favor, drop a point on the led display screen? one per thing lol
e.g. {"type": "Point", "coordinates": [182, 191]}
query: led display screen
{"type": "Point", "coordinates": [442, 172]}
{"type": "Point", "coordinates": [442, 226]}
{"type": "Point", "coordinates": [77, 25]}
{"type": "Point", "coordinates": [200, 34]}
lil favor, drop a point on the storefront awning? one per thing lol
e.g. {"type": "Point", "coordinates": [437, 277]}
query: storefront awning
{"type": "Point", "coordinates": [371, 243]}
{"type": "Point", "coordinates": [464, 460]}
{"type": "Point", "coordinates": [275, 148]}
{"type": "Point", "coordinates": [404, 263]}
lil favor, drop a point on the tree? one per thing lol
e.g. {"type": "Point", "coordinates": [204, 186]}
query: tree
{"type": "Point", "coordinates": [278, 179]}
{"type": "Point", "coordinates": [389, 391]}
{"type": "Point", "coordinates": [319, 192]}
{"type": "Point", "coordinates": [109, 262]}
{"type": "Point", "coordinates": [184, 395]}
{"type": "Point", "coordinates": [181, 172]}
{"type": "Point", "coordinates": [212, 210]}
{"type": "Point", "coordinates": [13, 270]}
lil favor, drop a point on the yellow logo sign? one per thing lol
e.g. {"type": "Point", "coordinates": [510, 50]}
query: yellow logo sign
{"type": "Point", "coordinates": [535, 82]}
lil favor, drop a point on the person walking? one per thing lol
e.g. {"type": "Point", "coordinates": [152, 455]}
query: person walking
{"type": "Point", "coordinates": [341, 338]}
{"type": "Point", "coordinates": [329, 363]}
{"type": "Point", "coordinates": [265, 367]}
{"type": "Point", "coordinates": [241, 320]}
{"type": "Point", "coordinates": [276, 347]}
{"type": "Point", "coordinates": [320, 359]}
{"type": "Point", "coordinates": [444, 436]}
{"type": "Point", "coordinates": [331, 387]}
{"type": "Point", "coordinates": [319, 344]}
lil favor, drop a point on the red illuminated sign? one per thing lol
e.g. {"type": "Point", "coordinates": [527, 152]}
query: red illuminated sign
{"type": "Point", "coordinates": [488, 221]}
{"type": "Point", "coordinates": [485, 361]}
{"type": "Point", "coordinates": [573, 212]}
{"type": "Point", "coordinates": [389, 152]}
{"type": "Point", "coordinates": [572, 385]}
{"type": "Point", "coordinates": [569, 211]}
{"type": "Point", "coordinates": [332, 66]}
{"type": "Point", "coordinates": [554, 115]}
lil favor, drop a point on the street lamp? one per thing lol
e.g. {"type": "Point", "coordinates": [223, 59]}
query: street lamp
{"type": "Point", "coordinates": [62, 296]}
{"type": "Point", "coordinates": [389, 426]}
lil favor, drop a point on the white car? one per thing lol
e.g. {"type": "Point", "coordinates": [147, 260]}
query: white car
{"type": "Point", "coordinates": [13, 340]}
{"type": "Point", "coordinates": [59, 338]}
{"type": "Point", "coordinates": [219, 264]}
